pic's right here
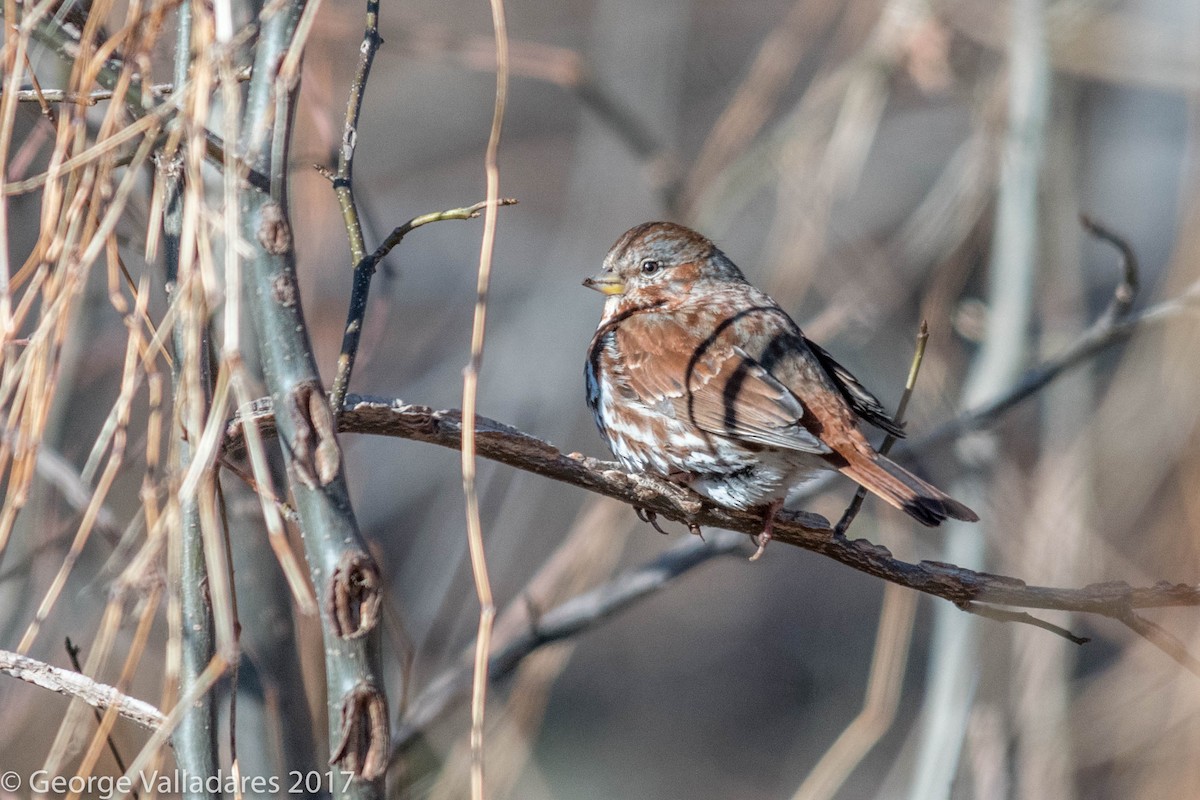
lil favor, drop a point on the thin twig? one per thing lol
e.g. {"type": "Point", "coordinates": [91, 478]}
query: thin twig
{"type": "Point", "coordinates": [73, 684]}
{"type": "Point", "coordinates": [1127, 289]}
{"type": "Point", "coordinates": [93, 97]}
{"type": "Point", "coordinates": [400, 231]}
{"type": "Point", "coordinates": [360, 288]}
{"type": "Point", "coordinates": [860, 495]}
{"type": "Point", "coordinates": [343, 187]}
{"type": "Point", "coordinates": [1160, 638]}
{"type": "Point", "coordinates": [479, 570]}
{"type": "Point", "coordinates": [73, 654]}
{"type": "Point", "coordinates": [1004, 615]}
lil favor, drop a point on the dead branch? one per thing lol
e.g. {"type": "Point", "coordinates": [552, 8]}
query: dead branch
{"type": "Point", "coordinates": [74, 684]}
{"type": "Point", "coordinates": [499, 442]}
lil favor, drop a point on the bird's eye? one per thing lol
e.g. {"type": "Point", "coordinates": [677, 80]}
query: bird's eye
{"type": "Point", "coordinates": [650, 266]}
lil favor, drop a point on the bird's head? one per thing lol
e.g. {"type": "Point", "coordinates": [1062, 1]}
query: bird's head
{"type": "Point", "coordinates": [658, 261]}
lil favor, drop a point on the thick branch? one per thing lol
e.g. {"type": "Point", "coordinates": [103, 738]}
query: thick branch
{"type": "Point", "coordinates": [194, 628]}
{"type": "Point", "coordinates": [499, 442]}
{"type": "Point", "coordinates": [342, 570]}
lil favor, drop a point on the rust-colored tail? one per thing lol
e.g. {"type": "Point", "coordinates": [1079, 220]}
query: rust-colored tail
{"type": "Point", "coordinates": [922, 501]}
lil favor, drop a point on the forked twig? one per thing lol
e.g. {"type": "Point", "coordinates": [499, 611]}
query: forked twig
{"type": "Point", "coordinates": [360, 287]}
{"type": "Point", "coordinates": [1117, 323]}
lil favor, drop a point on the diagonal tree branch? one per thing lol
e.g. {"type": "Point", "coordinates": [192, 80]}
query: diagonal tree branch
{"type": "Point", "coordinates": [976, 592]}
{"type": "Point", "coordinates": [507, 445]}
{"type": "Point", "coordinates": [1106, 332]}
{"type": "Point", "coordinates": [965, 588]}
{"type": "Point", "coordinates": [1161, 638]}
{"type": "Point", "coordinates": [563, 621]}
{"type": "Point", "coordinates": [74, 684]}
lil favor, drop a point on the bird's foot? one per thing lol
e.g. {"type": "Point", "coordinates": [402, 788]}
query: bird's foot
{"type": "Point", "coordinates": [768, 531]}
{"type": "Point", "coordinates": [695, 528]}
{"type": "Point", "coordinates": [681, 477]}
{"type": "Point", "coordinates": [649, 517]}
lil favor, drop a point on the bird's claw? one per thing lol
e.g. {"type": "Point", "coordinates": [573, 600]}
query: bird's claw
{"type": "Point", "coordinates": [649, 517]}
{"type": "Point", "coordinates": [761, 540]}
{"type": "Point", "coordinates": [768, 531]}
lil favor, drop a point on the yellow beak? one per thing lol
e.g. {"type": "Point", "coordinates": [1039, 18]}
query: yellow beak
{"type": "Point", "coordinates": [605, 283]}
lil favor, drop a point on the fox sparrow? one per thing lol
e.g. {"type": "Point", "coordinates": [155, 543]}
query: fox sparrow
{"type": "Point", "coordinates": [699, 377]}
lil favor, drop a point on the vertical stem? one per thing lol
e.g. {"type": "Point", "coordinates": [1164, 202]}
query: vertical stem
{"type": "Point", "coordinates": [196, 738]}
{"type": "Point", "coordinates": [483, 588]}
{"type": "Point", "coordinates": [344, 574]}
{"type": "Point", "coordinates": [364, 267]}
{"type": "Point", "coordinates": [954, 649]}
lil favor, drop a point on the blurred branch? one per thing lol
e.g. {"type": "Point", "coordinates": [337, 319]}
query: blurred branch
{"type": "Point", "coordinates": [757, 96]}
{"type": "Point", "coordinates": [507, 445]}
{"type": "Point", "coordinates": [893, 637]}
{"type": "Point", "coordinates": [1122, 45]}
{"type": "Point", "coordinates": [573, 616]}
{"type": "Point", "coordinates": [954, 650]}
{"type": "Point", "coordinates": [564, 68]}
{"type": "Point", "coordinates": [586, 555]}
{"type": "Point", "coordinates": [1115, 325]}
{"type": "Point", "coordinates": [1160, 638]}
{"type": "Point", "coordinates": [81, 687]}
{"type": "Point", "coordinates": [95, 96]}
{"type": "Point", "coordinates": [62, 475]}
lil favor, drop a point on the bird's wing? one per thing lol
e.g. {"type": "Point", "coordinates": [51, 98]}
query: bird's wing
{"type": "Point", "coordinates": [712, 383]}
{"type": "Point", "coordinates": [857, 395]}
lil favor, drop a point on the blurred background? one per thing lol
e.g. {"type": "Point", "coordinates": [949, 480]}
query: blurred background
{"type": "Point", "coordinates": [869, 163]}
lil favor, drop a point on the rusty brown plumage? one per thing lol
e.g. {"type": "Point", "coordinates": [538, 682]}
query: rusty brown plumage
{"type": "Point", "coordinates": [696, 375]}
